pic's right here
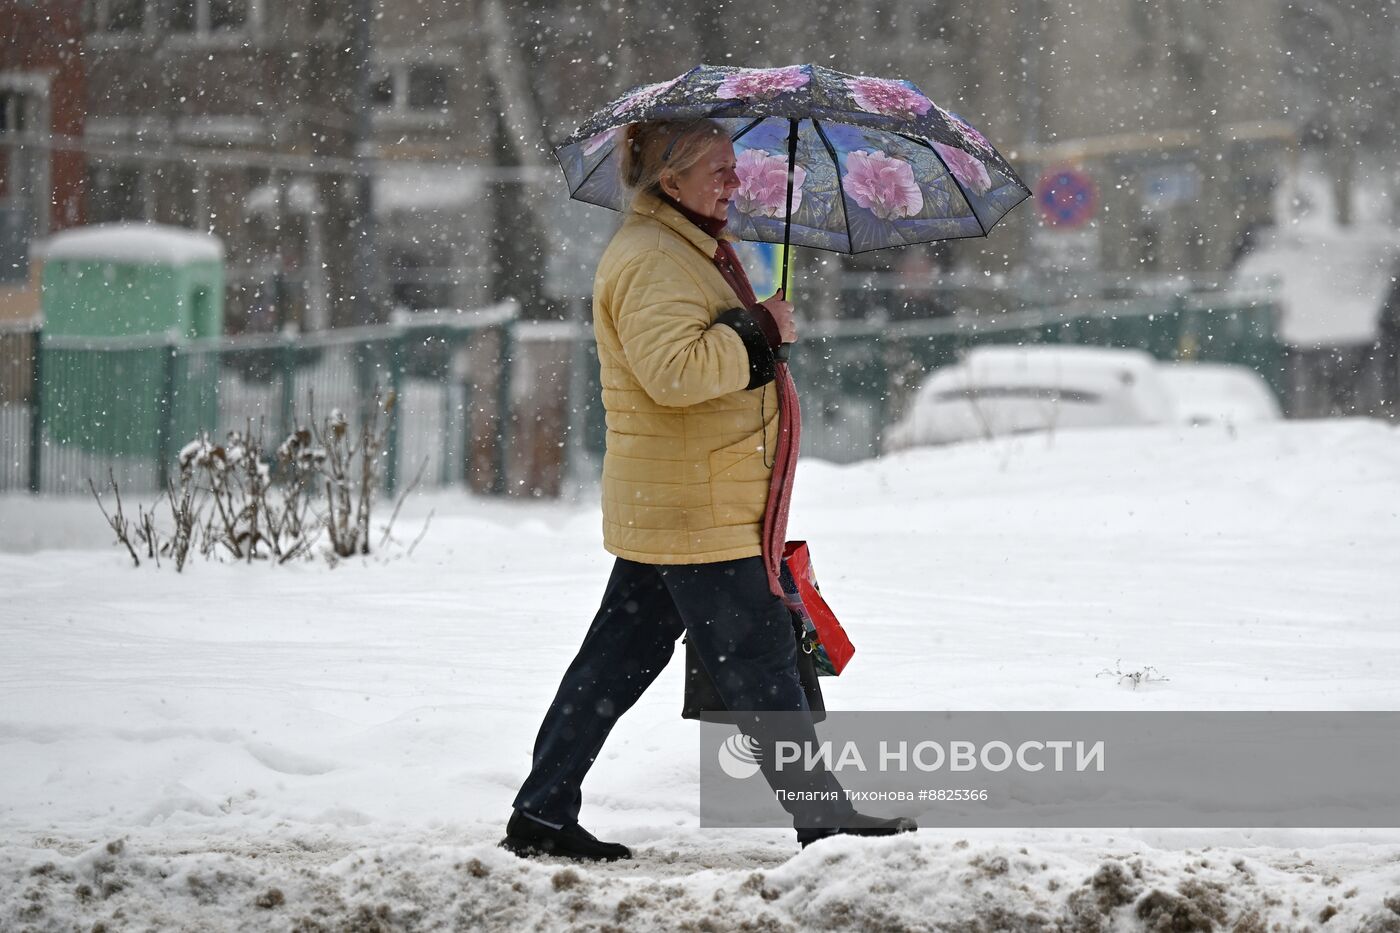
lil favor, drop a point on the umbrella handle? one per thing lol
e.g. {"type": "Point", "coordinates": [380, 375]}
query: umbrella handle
{"type": "Point", "coordinates": [780, 355]}
{"type": "Point", "coordinates": [787, 219]}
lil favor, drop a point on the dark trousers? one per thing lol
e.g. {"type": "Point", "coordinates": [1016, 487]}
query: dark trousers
{"type": "Point", "coordinates": [743, 636]}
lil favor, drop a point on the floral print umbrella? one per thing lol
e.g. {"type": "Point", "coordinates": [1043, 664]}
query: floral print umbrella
{"type": "Point", "coordinates": [875, 162]}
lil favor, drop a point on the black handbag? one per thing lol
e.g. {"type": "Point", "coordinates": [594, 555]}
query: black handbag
{"type": "Point", "coordinates": [702, 700]}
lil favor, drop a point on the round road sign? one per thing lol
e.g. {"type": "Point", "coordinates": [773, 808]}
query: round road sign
{"type": "Point", "coordinates": [1067, 197]}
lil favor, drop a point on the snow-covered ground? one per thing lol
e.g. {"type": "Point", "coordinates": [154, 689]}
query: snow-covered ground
{"type": "Point", "coordinates": [302, 748]}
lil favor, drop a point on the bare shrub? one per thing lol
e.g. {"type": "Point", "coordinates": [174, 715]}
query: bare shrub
{"type": "Point", "coordinates": [235, 500]}
{"type": "Point", "coordinates": [351, 472]}
{"type": "Point", "coordinates": [117, 521]}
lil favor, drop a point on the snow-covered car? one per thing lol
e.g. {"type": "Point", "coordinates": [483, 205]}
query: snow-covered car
{"type": "Point", "coordinates": [1219, 393]}
{"type": "Point", "coordinates": [995, 391]}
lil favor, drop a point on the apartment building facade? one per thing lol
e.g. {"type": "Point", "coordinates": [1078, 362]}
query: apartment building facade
{"type": "Point", "coordinates": [1182, 120]}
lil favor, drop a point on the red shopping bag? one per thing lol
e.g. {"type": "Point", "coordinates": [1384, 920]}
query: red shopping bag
{"type": "Point", "coordinates": [804, 597]}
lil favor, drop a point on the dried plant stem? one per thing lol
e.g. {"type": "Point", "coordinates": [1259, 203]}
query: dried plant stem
{"type": "Point", "coordinates": [118, 523]}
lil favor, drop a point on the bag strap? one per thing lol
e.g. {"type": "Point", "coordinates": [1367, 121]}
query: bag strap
{"type": "Point", "coordinates": [800, 633]}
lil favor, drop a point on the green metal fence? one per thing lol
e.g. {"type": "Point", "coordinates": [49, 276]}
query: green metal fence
{"type": "Point", "coordinates": [128, 405]}
{"type": "Point", "coordinates": [854, 377]}
{"type": "Point", "coordinates": [476, 390]}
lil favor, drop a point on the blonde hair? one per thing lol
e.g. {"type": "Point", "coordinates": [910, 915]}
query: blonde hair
{"type": "Point", "coordinates": [653, 147]}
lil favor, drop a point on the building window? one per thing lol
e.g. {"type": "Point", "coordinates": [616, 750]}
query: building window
{"type": "Point", "coordinates": [421, 278]}
{"type": "Point", "coordinates": [413, 89]}
{"type": "Point", "coordinates": [14, 212]}
{"type": "Point", "coordinates": [25, 186]}
{"type": "Point", "coordinates": [382, 92]}
{"type": "Point", "coordinates": [181, 15]}
{"type": "Point", "coordinates": [114, 194]}
{"type": "Point", "coordinates": [427, 87]}
{"type": "Point", "coordinates": [126, 15]}
{"type": "Point", "coordinates": [13, 118]}
{"type": "Point", "coordinates": [227, 14]}
{"type": "Point", "coordinates": [206, 16]}
{"type": "Point", "coordinates": [116, 16]}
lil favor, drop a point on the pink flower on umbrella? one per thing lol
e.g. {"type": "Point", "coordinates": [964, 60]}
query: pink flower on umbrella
{"type": "Point", "coordinates": [762, 83]}
{"type": "Point", "coordinates": [882, 184]}
{"type": "Point", "coordinates": [967, 132]}
{"type": "Point", "coordinates": [644, 95]}
{"type": "Point", "coordinates": [965, 168]}
{"type": "Point", "coordinates": [892, 98]}
{"type": "Point", "coordinates": [763, 184]}
{"type": "Point", "coordinates": [597, 142]}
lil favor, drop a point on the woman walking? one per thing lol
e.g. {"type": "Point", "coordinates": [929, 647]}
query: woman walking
{"type": "Point", "coordinates": [687, 358]}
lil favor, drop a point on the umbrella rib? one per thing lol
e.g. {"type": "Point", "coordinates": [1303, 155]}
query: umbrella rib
{"type": "Point", "coordinates": [840, 188]}
{"type": "Point", "coordinates": [939, 156]}
{"type": "Point", "coordinates": [735, 137]}
{"type": "Point", "coordinates": [1002, 217]}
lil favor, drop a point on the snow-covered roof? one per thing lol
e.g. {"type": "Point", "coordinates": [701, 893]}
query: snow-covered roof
{"type": "Point", "coordinates": [1329, 282]}
{"type": "Point", "coordinates": [139, 243]}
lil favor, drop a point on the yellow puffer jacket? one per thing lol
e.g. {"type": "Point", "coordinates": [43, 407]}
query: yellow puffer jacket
{"type": "Point", "coordinates": [684, 371]}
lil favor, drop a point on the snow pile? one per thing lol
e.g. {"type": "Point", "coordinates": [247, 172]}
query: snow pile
{"type": "Point", "coordinates": [238, 748]}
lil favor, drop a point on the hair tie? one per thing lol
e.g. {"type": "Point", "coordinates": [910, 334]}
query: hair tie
{"type": "Point", "coordinates": [666, 156]}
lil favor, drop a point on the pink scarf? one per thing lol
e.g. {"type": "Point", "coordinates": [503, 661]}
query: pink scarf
{"type": "Point", "coordinates": [775, 514]}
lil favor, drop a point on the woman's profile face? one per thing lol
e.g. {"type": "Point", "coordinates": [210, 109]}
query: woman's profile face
{"type": "Point", "coordinates": [706, 186]}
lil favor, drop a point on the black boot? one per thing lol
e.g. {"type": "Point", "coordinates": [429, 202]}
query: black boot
{"type": "Point", "coordinates": [527, 837]}
{"type": "Point", "coordinates": [860, 824]}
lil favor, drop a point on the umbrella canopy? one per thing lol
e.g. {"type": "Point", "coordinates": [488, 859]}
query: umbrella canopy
{"type": "Point", "coordinates": [874, 162]}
